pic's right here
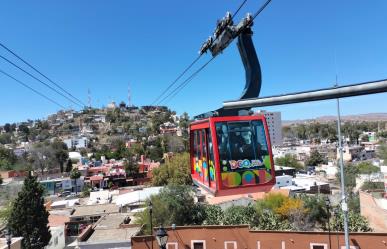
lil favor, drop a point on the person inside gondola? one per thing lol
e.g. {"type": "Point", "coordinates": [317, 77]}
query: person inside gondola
{"type": "Point", "coordinates": [246, 149]}
{"type": "Point", "coordinates": [223, 145]}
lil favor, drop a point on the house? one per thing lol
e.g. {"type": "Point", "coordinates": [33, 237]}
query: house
{"type": "Point", "coordinates": [240, 236]}
{"type": "Point", "coordinates": [85, 215]}
{"type": "Point", "coordinates": [76, 142]}
{"type": "Point", "coordinates": [110, 231]}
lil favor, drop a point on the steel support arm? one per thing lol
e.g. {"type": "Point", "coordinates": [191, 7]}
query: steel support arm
{"type": "Point", "coordinates": [379, 86]}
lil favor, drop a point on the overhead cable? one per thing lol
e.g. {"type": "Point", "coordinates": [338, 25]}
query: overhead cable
{"type": "Point", "coordinates": [189, 66]}
{"type": "Point", "coordinates": [32, 89]}
{"type": "Point", "coordinates": [47, 85]}
{"type": "Point", "coordinates": [184, 83]}
{"type": "Point", "coordinates": [36, 70]}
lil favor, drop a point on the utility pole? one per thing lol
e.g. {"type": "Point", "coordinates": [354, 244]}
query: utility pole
{"type": "Point", "coordinates": [344, 205]}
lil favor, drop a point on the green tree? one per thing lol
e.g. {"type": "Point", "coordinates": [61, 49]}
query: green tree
{"type": "Point", "coordinates": [289, 161]}
{"type": "Point", "coordinates": [382, 152]}
{"type": "Point", "coordinates": [237, 215]}
{"type": "Point", "coordinates": [7, 158]}
{"type": "Point", "coordinates": [367, 168]}
{"type": "Point", "coordinates": [173, 205]}
{"type": "Point", "coordinates": [267, 220]}
{"type": "Point", "coordinates": [174, 171]}
{"type": "Point", "coordinates": [61, 153]}
{"type": "Point", "coordinates": [350, 174]}
{"type": "Point", "coordinates": [213, 215]}
{"type": "Point", "coordinates": [317, 209]}
{"type": "Point", "coordinates": [356, 222]}
{"type": "Point", "coordinates": [315, 159]}
{"type": "Point", "coordinates": [75, 175]}
{"type": "Point", "coordinates": [372, 186]}
{"type": "Point", "coordinates": [69, 165]}
{"type": "Point", "coordinates": [29, 217]}
{"type": "Point", "coordinates": [271, 202]}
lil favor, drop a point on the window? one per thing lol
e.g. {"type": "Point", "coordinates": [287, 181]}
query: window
{"type": "Point", "coordinates": [230, 245]}
{"type": "Point", "coordinates": [258, 244]}
{"type": "Point", "coordinates": [198, 244]}
{"type": "Point", "coordinates": [172, 245]}
{"type": "Point", "coordinates": [318, 246]}
{"type": "Point", "coordinates": [241, 140]}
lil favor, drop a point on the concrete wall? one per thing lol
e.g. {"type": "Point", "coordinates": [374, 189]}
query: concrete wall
{"type": "Point", "coordinates": [57, 238]}
{"type": "Point", "coordinates": [377, 216]}
{"type": "Point", "coordinates": [234, 237]}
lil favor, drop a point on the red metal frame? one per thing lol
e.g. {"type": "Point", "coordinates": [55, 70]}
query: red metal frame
{"type": "Point", "coordinates": [219, 189]}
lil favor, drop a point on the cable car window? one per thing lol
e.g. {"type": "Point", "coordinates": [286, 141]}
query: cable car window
{"type": "Point", "coordinates": [241, 140]}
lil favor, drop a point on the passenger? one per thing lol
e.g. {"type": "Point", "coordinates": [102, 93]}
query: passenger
{"type": "Point", "coordinates": [246, 147]}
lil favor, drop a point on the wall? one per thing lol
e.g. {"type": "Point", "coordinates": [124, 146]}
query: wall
{"type": "Point", "coordinates": [215, 237]}
{"type": "Point", "coordinates": [57, 238]}
{"type": "Point", "coordinates": [377, 217]}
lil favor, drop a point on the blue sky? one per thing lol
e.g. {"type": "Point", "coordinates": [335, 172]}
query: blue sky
{"type": "Point", "coordinates": [105, 45]}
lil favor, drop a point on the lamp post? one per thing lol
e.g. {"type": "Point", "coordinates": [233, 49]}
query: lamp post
{"type": "Point", "coordinates": [8, 237]}
{"type": "Point", "coordinates": [162, 237]}
{"type": "Point", "coordinates": [328, 204]}
{"type": "Point", "coordinates": [150, 206]}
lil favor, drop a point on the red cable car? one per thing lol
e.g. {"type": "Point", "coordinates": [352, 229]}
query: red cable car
{"type": "Point", "coordinates": [231, 153]}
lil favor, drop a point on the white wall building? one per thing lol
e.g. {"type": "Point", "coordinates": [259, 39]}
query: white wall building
{"type": "Point", "coordinates": [78, 143]}
{"type": "Point", "coordinates": [274, 123]}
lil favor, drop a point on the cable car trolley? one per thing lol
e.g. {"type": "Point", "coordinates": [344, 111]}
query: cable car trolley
{"type": "Point", "coordinates": [230, 150]}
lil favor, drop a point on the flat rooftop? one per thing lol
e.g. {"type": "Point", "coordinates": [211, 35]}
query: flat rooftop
{"type": "Point", "coordinates": [114, 234]}
{"type": "Point", "coordinates": [111, 221]}
{"type": "Point", "coordinates": [90, 210]}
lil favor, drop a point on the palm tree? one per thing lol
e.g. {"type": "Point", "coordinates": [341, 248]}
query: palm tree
{"type": "Point", "coordinates": [75, 174]}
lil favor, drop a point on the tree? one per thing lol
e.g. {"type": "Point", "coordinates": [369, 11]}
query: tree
{"type": "Point", "coordinates": [317, 209]}
{"type": "Point", "coordinates": [271, 202]}
{"type": "Point", "coordinates": [213, 215]}
{"type": "Point", "coordinates": [42, 158]}
{"type": "Point", "coordinates": [356, 222]}
{"type": "Point", "coordinates": [238, 215]}
{"type": "Point", "coordinates": [173, 171]}
{"type": "Point", "coordinates": [289, 161]}
{"type": "Point", "coordinates": [267, 220]}
{"type": "Point", "coordinates": [69, 166]}
{"type": "Point", "coordinates": [173, 205]}
{"type": "Point", "coordinates": [29, 217]}
{"type": "Point", "coordinates": [367, 168]}
{"type": "Point", "coordinates": [382, 152]}
{"type": "Point", "coordinates": [350, 174]}
{"type": "Point", "coordinates": [61, 153]}
{"type": "Point", "coordinates": [372, 186]}
{"type": "Point", "coordinates": [7, 158]}
{"type": "Point", "coordinates": [75, 175]}
{"type": "Point", "coordinates": [315, 159]}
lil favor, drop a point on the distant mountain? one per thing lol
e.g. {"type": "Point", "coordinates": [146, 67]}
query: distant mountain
{"type": "Point", "coordinates": [357, 117]}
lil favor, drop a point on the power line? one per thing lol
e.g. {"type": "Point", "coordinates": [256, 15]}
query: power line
{"type": "Point", "coordinates": [261, 9]}
{"type": "Point", "coordinates": [32, 89]}
{"type": "Point", "coordinates": [189, 66]}
{"type": "Point", "coordinates": [40, 80]}
{"type": "Point", "coordinates": [36, 70]}
{"type": "Point", "coordinates": [174, 82]}
{"type": "Point", "coordinates": [239, 8]}
{"type": "Point", "coordinates": [184, 83]}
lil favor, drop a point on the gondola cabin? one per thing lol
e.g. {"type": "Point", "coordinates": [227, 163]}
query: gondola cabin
{"type": "Point", "coordinates": [231, 155]}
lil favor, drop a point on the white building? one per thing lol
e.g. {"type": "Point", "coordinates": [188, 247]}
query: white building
{"type": "Point", "coordinates": [274, 124]}
{"type": "Point", "coordinates": [77, 143]}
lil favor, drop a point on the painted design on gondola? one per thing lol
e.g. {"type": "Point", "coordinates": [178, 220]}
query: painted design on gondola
{"type": "Point", "coordinates": [245, 172]}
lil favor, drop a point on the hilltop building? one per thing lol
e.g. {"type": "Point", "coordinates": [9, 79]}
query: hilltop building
{"type": "Point", "coordinates": [274, 123]}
